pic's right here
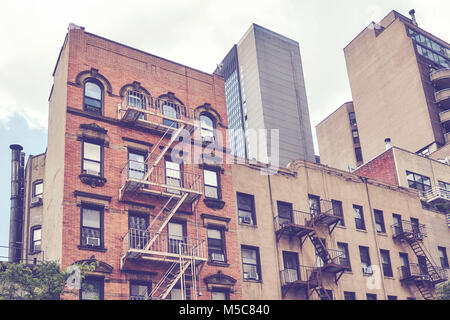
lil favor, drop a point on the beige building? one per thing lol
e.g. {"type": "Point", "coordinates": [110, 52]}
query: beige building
{"type": "Point", "coordinates": [313, 232]}
{"type": "Point", "coordinates": [400, 82]}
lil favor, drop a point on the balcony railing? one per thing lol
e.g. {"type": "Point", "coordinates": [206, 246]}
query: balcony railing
{"type": "Point", "coordinates": [436, 193]}
{"type": "Point", "coordinates": [297, 218]}
{"type": "Point", "coordinates": [139, 106]}
{"type": "Point", "coordinates": [160, 179]}
{"type": "Point", "coordinates": [300, 275]}
{"type": "Point", "coordinates": [416, 272]}
{"type": "Point", "coordinates": [441, 78]}
{"type": "Point", "coordinates": [443, 97]}
{"type": "Point", "coordinates": [337, 257]}
{"type": "Point", "coordinates": [407, 229]}
{"type": "Point", "coordinates": [169, 246]}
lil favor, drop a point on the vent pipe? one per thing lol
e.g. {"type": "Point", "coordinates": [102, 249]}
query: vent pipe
{"type": "Point", "coordinates": [16, 213]}
{"type": "Point", "coordinates": [387, 142]}
{"type": "Point", "coordinates": [412, 13]}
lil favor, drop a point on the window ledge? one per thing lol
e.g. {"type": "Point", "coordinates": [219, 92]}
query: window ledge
{"type": "Point", "coordinates": [248, 225]}
{"type": "Point", "coordinates": [361, 230]}
{"type": "Point", "coordinates": [389, 277]}
{"type": "Point", "coordinates": [92, 180]}
{"type": "Point", "coordinates": [34, 252]}
{"type": "Point", "coordinates": [214, 203]}
{"type": "Point", "coordinates": [90, 248]}
{"type": "Point", "coordinates": [252, 281]}
{"type": "Point", "coordinates": [383, 234]}
{"type": "Point", "coordinates": [218, 264]}
{"type": "Point", "coordinates": [341, 227]}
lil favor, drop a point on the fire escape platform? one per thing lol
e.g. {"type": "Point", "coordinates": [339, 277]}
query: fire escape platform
{"type": "Point", "coordinates": [293, 230]}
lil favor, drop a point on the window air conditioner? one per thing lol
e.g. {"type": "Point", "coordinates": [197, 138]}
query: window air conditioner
{"type": "Point", "coordinates": [36, 200]}
{"type": "Point", "coordinates": [218, 257]}
{"type": "Point", "coordinates": [92, 172]}
{"type": "Point", "coordinates": [251, 275]}
{"type": "Point", "coordinates": [367, 270]}
{"type": "Point", "coordinates": [91, 241]}
{"type": "Point", "coordinates": [425, 277]}
{"type": "Point", "coordinates": [246, 220]}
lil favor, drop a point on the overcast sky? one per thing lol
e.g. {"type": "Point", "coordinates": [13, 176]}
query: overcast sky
{"type": "Point", "coordinates": [197, 33]}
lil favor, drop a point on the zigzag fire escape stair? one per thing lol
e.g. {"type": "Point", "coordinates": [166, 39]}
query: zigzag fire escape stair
{"type": "Point", "coordinates": [169, 280]}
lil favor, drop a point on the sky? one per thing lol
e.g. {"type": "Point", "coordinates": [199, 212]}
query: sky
{"type": "Point", "coordinates": [196, 33]}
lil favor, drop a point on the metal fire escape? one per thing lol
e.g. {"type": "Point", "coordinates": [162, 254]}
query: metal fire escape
{"type": "Point", "coordinates": [178, 187]}
{"type": "Point", "coordinates": [304, 225]}
{"type": "Point", "coordinates": [426, 274]}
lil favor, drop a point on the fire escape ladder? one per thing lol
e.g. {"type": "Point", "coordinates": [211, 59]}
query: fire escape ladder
{"type": "Point", "coordinates": [314, 283]}
{"type": "Point", "coordinates": [169, 280]}
{"type": "Point", "coordinates": [161, 154]}
{"type": "Point", "coordinates": [319, 247]}
{"type": "Point", "coordinates": [163, 217]}
{"type": "Point", "coordinates": [426, 289]}
{"type": "Point", "coordinates": [419, 251]}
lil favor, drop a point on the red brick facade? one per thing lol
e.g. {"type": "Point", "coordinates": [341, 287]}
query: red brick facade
{"type": "Point", "coordinates": [114, 66]}
{"type": "Point", "coordinates": [381, 168]}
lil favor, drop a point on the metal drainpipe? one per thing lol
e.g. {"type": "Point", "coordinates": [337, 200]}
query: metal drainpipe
{"type": "Point", "coordinates": [16, 214]}
{"type": "Point", "coordinates": [372, 219]}
{"type": "Point", "coordinates": [29, 194]}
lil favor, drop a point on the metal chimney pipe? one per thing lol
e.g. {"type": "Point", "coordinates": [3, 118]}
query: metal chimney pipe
{"type": "Point", "coordinates": [413, 17]}
{"type": "Point", "coordinates": [387, 141]}
{"type": "Point", "coordinates": [16, 213]}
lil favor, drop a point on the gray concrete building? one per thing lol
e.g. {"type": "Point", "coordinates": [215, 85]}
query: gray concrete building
{"type": "Point", "coordinates": [267, 68]}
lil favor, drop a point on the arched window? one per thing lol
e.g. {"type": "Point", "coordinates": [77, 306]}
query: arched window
{"type": "Point", "coordinates": [93, 95]}
{"type": "Point", "coordinates": [171, 110]}
{"type": "Point", "coordinates": [206, 128]}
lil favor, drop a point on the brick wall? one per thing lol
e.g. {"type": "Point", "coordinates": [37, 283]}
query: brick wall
{"type": "Point", "coordinates": [381, 168]}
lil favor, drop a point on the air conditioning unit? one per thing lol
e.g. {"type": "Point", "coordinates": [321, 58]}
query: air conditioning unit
{"type": "Point", "coordinates": [36, 200]}
{"type": "Point", "coordinates": [92, 172]}
{"type": "Point", "coordinates": [367, 270]}
{"type": "Point", "coordinates": [218, 257]}
{"type": "Point", "coordinates": [207, 139]}
{"type": "Point", "coordinates": [251, 276]}
{"type": "Point", "coordinates": [246, 220]}
{"type": "Point", "coordinates": [425, 277]}
{"type": "Point", "coordinates": [91, 241]}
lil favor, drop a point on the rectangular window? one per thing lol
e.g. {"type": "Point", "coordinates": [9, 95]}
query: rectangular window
{"type": "Point", "coordinates": [91, 227]}
{"type": "Point", "coordinates": [358, 154]}
{"type": "Point", "coordinates": [371, 296]}
{"type": "Point", "coordinates": [344, 260]}
{"type": "Point", "coordinates": [314, 204]}
{"type": "Point", "coordinates": [348, 295]}
{"type": "Point", "coordinates": [176, 237]}
{"type": "Point", "coordinates": [386, 263]}
{"type": "Point", "coordinates": [397, 226]}
{"type": "Point", "coordinates": [92, 162]}
{"type": "Point", "coordinates": [359, 217]}
{"type": "Point", "coordinates": [284, 212]}
{"type": "Point", "coordinates": [38, 189]}
{"type": "Point", "coordinates": [404, 265]}
{"type": "Point", "coordinates": [326, 294]}
{"type": "Point", "coordinates": [355, 136]}
{"type": "Point", "coordinates": [246, 208]}
{"type": "Point", "coordinates": [352, 118]}
{"type": "Point", "coordinates": [35, 239]}
{"type": "Point", "coordinates": [173, 176]}
{"type": "Point", "coordinates": [445, 188]}
{"type": "Point", "coordinates": [392, 297]}
{"type": "Point", "coordinates": [365, 260]}
{"type": "Point", "coordinates": [136, 164]}
{"type": "Point", "coordinates": [379, 221]}
{"type": "Point", "coordinates": [251, 263]}
{"type": "Point", "coordinates": [140, 290]}
{"type": "Point", "coordinates": [417, 181]}
{"type": "Point", "coordinates": [219, 295]}
{"type": "Point", "coordinates": [337, 211]}
{"type": "Point", "coordinates": [216, 246]}
{"type": "Point", "coordinates": [92, 289]}
{"type": "Point", "coordinates": [211, 184]}
{"type": "Point", "coordinates": [138, 224]}
{"type": "Point", "coordinates": [177, 294]}
{"type": "Point", "coordinates": [291, 269]}
{"type": "Point", "coordinates": [443, 257]}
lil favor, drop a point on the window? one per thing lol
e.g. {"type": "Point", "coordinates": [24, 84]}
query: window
{"type": "Point", "coordinates": [418, 181]}
{"type": "Point", "coordinates": [92, 289]}
{"type": "Point", "coordinates": [291, 270]}
{"type": "Point", "coordinates": [216, 246]}
{"type": "Point", "coordinates": [93, 95]}
{"type": "Point", "coordinates": [326, 294]}
{"type": "Point", "coordinates": [365, 260]}
{"type": "Point", "coordinates": [404, 265]}
{"type": "Point", "coordinates": [219, 295]}
{"type": "Point", "coordinates": [444, 187]}
{"type": "Point", "coordinates": [443, 257]}
{"type": "Point", "coordinates": [246, 208]}
{"type": "Point", "coordinates": [91, 227]}
{"type": "Point", "coordinates": [355, 136]}
{"type": "Point", "coordinates": [284, 212]}
{"type": "Point", "coordinates": [359, 217]}
{"type": "Point", "coordinates": [392, 297]}
{"type": "Point", "coordinates": [344, 260]}
{"type": "Point", "coordinates": [352, 118]}
{"type": "Point", "coordinates": [321, 255]}
{"type": "Point", "coordinates": [140, 290]}
{"type": "Point", "coordinates": [211, 182]}
{"type": "Point", "coordinates": [379, 221]}
{"type": "Point", "coordinates": [35, 239]}
{"type": "Point", "coordinates": [358, 154]}
{"type": "Point", "coordinates": [136, 164]}
{"type": "Point", "coordinates": [177, 237]}
{"type": "Point", "coordinates": [386, 263]}
{"type": "Point", "coordinates": [337, 211]}
{"type": "Point", "coordinates": [348, 295]}
{"type": "Point", "coordinates": [410, 298]}
{"type": "Point", "coordinates": [206, 128]}
{"type": "Point", "coordinates": [177, 294]}
{"type": "Point", "coordinates": [415, 225]}
{"type": "Point", "coordinates": [173, 176]}
{"type": "Point", "coordinates": [92, 158]}
{"type": "Point", "coordinates": [371, 296]}
{"type": "Point", "coordinates": [250, 263]}
{"type": "Point", "coordinates": [38, 189]}
{"type": "Point", "coordinates": [398, 226]}
{"type": "Point", "coordinates": [314, 204]}
{"type": "Point", "coordinates": [170, 110]}
{"type": "Point", "coordinates": [138, 224]}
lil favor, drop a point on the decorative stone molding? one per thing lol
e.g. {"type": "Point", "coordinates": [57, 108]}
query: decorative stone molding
{"type": "Point", "coordinates": [94, 132]}
{"type": "Point", "coordinates": [92, 198]}
{"type": "Point", "coordinates": [210, 220]}
{"type": "Point", "coordinates": [94, 74]}
{"type": "Point", "coordinates": [214, 203]}
{"type": "Point", "coordinates": [220, 281]}
{"type": "Point", "coordinates": [92, 180]}
{"type": "Point", "coordinates": [206, 108]}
